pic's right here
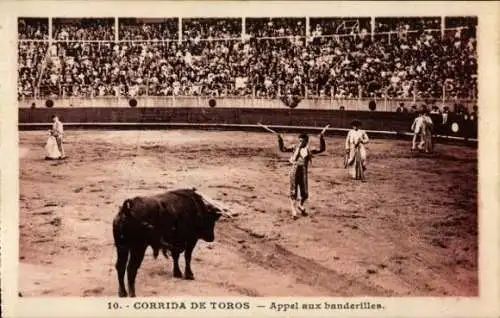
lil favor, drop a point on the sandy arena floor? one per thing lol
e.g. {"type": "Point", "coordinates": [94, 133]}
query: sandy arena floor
{"type": "Point", "coordinates": [411, 229]}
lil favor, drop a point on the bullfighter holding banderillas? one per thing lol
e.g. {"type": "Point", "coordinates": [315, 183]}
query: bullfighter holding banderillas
{"type": "Point", "coordinates": [300, 160]}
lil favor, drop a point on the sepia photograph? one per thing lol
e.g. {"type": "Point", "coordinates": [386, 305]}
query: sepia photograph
{"type": "Point", "coordinates": [249, 154]}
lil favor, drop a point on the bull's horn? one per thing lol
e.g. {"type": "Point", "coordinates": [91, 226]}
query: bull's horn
{"type": "Point", "coordinates": [209, 200]}
{"type": "Point", "coordinates": [217, 204]}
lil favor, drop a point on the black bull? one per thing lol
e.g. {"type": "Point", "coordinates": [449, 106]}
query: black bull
{"type": "Point", "coordinates": [173, 220]}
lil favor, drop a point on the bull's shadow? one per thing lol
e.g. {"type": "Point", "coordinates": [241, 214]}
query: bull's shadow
{"type": "Point", "coordinates": [174, 220]}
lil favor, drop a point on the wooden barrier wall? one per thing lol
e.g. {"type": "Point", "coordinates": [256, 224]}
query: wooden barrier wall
{"type": "Point", "coordinates": [380, 121]}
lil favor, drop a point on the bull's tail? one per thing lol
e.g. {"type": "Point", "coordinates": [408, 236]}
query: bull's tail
{"type": "Point", "coordinates": [119, 231]}
{"type": "Point", "coordinates": [122, 254]}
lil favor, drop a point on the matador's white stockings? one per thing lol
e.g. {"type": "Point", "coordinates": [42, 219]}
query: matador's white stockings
{"type": "Point", "coordinates": [297, 205]}
{"type": "Point", "coordinates": [294, 209]}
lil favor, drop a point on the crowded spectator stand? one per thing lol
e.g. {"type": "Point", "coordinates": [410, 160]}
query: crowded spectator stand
{"type": "Point", "coordinates": [291, 59]}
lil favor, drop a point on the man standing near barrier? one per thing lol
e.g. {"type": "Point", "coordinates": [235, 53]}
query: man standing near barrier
{"type": "Point", "coordinates": [416, 128]}
{"type": "Point", "coordinates": [426, 134]}
{"type": "Point", "coordinates": [57, 131]}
